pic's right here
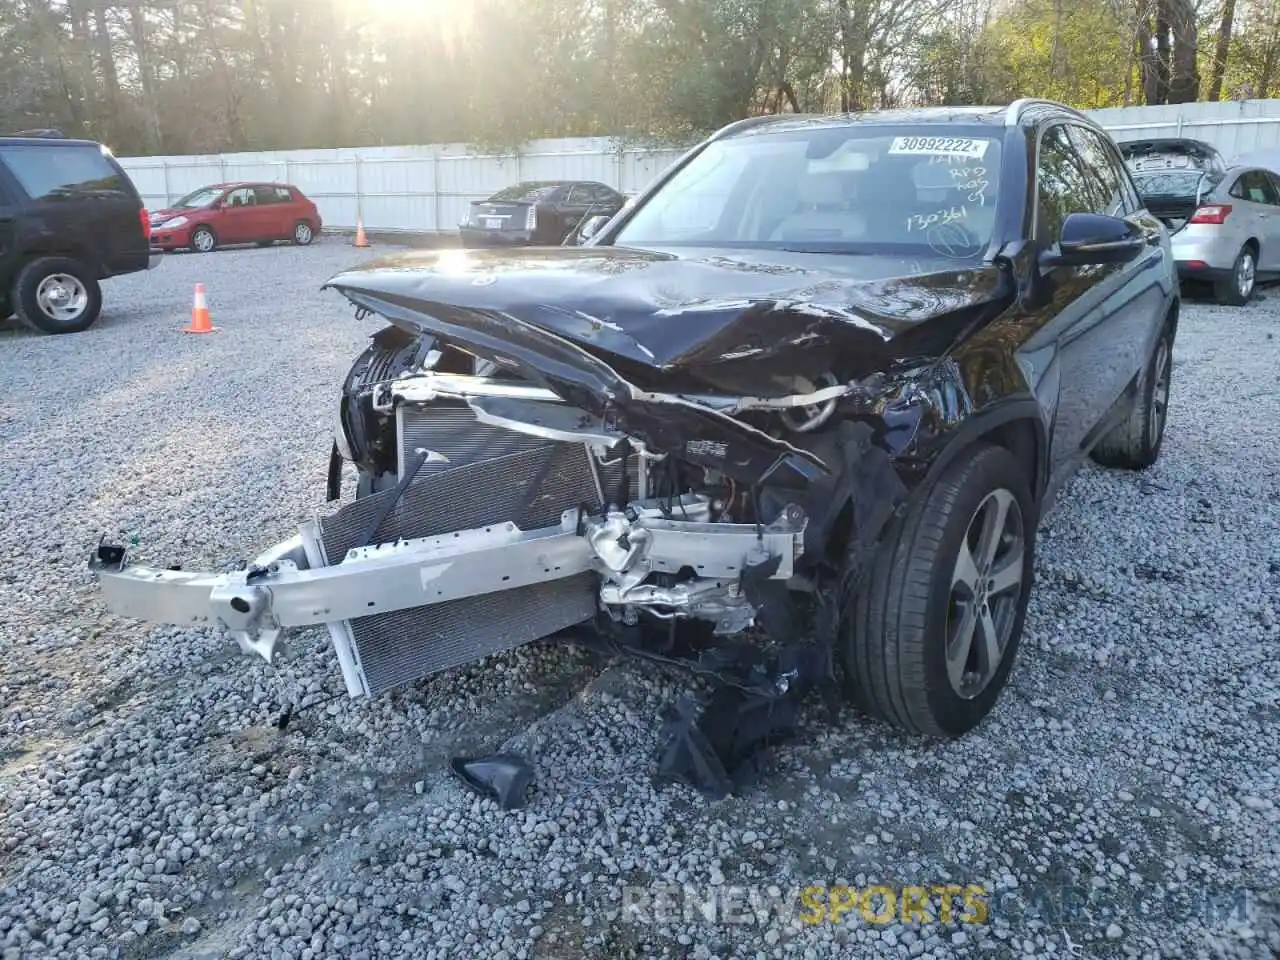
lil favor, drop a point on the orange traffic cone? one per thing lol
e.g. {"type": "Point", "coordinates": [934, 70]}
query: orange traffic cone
{"type": "Point", "coordinates": [200, 322]}
{"type": "Point", "coordinates": [361, 239]}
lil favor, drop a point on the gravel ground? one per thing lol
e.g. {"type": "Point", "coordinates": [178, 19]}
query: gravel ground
{"type": "Point", "coordinates": [1124, 799]}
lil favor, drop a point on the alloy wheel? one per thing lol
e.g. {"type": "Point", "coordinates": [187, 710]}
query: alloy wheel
{"type": "Point", "coordinates": [302, 233]}
{"type": "Point", "coordinates": [204, 241]}
{"type": "Point", "coordinates": [62, 297]}
{"type": "Point", "coordinates": [986, 587]}
{"type": "Point", "coordinates": [1160, 391]}
{"type": "Point", "coordinates": [1246, 274]}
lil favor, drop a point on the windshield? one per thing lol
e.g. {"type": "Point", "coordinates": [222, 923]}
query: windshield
{"type": "Point", "coordinates": [526, 191]}
{"type": "Point", "coordinates": [853, 189]}
{"type": "Point", "coordinates": [201, 198]}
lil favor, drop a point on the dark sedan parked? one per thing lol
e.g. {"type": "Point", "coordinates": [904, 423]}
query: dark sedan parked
{"type": "Point", "coordinates": [537, 212]}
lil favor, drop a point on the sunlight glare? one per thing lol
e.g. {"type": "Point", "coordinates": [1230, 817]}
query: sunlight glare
{"type": "Point", "coordinates": [451, 17]}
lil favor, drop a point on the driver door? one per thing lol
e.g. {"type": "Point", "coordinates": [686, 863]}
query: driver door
{"type": "Point", "coordinates": [236, 222]}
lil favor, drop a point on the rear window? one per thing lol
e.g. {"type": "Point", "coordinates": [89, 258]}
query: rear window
{"type": "Point", "coordinates": [63, 173]}
{"type": "Point", "coordinates": [526, 191]}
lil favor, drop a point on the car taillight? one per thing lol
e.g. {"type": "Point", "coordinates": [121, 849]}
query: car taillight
{"type": "Point", "coordinates": [531, 218]}
{"type": "Point", "coordinates": [1211, 213]}
{"type": "Point", "coordinates": [146, 223]}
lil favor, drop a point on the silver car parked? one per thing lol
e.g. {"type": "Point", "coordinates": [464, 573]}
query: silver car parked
{"type": "Point", "coordinates": [1224, 221]}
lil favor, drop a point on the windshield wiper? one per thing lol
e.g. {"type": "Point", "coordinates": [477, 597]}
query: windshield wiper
{"type": "Point", "coordinates": [842, 251]}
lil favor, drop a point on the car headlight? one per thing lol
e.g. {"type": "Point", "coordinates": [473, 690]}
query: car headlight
{"type": "Point", "coordinates": [175, 222]}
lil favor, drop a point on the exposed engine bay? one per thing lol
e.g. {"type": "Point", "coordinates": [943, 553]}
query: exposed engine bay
{"type": "Point", "coordinates": [671, 539]}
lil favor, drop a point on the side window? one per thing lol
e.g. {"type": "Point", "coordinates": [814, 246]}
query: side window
{"type": "Point", "coordinates": [1275, 182]}
{"type": "Point", "coordinates": [242, 197]}
{"type": "Point", "coordinates": [1101, 172]}
{"type": "Point", "coordinates": [283, 195]}
{"type": "Point", "coordinates": [1256, 187]}
{"type": "Point", "coordinates": [264, 195]}
{"type": "Point", "coordinates": [56, 173]}
{"type": "Point", "coordinates": [1062, 184]}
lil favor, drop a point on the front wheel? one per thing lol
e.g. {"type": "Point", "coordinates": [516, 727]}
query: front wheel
{"type": "Point", "coordinates": [1237, 289]}
{"type": "Point", "coordinates": [204, 240]}
{"type": "Point", "coordinates": [930, 638]}
{"type": "Point", "coordinates": [57, 295]}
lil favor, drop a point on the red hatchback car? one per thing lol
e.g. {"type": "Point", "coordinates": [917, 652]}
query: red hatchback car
{"type": "Point", "coordinates": [236, 213]}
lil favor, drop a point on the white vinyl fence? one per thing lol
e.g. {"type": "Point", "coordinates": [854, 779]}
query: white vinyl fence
{"type": "Point", "coordinates": [426, 189]}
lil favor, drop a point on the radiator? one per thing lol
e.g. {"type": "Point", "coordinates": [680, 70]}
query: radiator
{"type": "Point", "coordinates": [491, 475]}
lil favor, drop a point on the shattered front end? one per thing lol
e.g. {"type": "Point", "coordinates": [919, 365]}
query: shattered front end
{"type": "Point", "coordinates": [707, 494]}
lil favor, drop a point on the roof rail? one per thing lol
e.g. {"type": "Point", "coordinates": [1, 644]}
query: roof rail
{"type": "Point", "coordinates": [748, 122]}
{"type": "Point", "coordinates": [1014, 112]}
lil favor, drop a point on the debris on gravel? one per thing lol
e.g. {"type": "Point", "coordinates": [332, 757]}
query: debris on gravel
{"type": "Point", "coordinates": [1122, 800]}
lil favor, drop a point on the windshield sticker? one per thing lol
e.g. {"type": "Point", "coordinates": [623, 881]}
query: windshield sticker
{"type": "Point", "coordinates": [939, 147]}
{"type": "Point", "coordinates": [937, 218]}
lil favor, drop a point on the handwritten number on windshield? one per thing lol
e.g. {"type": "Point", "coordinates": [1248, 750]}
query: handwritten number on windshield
{"type": "Point", "coordinates": [972, 179]}
{"type": "Point", "coordinates": [937, 218]}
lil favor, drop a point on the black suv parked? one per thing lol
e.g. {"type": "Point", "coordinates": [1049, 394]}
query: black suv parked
{"type": "Point", "coordinates": [69, 217]}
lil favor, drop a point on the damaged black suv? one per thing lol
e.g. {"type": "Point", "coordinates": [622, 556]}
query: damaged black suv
{"type": "Point", "coordinates": [792, 418]}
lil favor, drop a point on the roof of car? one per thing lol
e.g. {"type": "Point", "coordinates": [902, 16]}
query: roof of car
{"type": "Point", "coordinates": [1020, 111]}
{"type": "Point", "coordinates": [47, 142]}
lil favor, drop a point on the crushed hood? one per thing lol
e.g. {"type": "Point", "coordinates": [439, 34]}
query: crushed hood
{"type": "Point", "coordinates": [627, 334]}
{"type": "Point", "coordinates": [678, 312]}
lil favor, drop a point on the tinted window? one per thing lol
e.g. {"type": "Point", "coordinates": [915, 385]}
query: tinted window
{"type": "Point", "coordinates": [529, 190]}
{"type": "Point", "coordinates": [1063, 184]}
{"type": "Point", "coordinates": [865, 188]}
{"type": "Point", "coordinates": [1101, 171]}
{"type": "Point", "coordinates": [59, 173]}
{"type": "Point", "coordinates": [268, 194]}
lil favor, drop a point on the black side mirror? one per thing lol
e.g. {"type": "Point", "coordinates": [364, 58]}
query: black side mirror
{"type": "Point", "coordinates": [1093, 238]}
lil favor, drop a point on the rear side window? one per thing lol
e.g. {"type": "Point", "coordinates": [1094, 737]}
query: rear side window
{"type": "Point", "coordinates": [64, 173]}
{"type": "Point", "coordinates": [1255, 187]}
{"type": "Point", "coordinates": [269, 194]}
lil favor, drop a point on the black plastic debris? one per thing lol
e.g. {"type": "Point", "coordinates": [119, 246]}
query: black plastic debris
{"type": "Point", "coordinates": [720, 751]}
{"type": "Point", "coordinates": [502, 777]}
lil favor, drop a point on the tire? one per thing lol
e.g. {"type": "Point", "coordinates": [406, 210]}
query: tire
{"type": "Point", "coordinates": [203, 239]}
{"type": "Point", "coordinates": [1238, 289]}
{"type": "Point", "coordinates": [893, 638]}
{"type": "Point", "coordinates": [303, 233]}
{"type": "Point", "coordinates": [57, 295]}
{"type": "Point", "coordinates": [1134, 443]}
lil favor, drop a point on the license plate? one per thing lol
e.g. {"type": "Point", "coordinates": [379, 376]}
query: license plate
{"type": "Point", "coordinates": [493, 223]}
